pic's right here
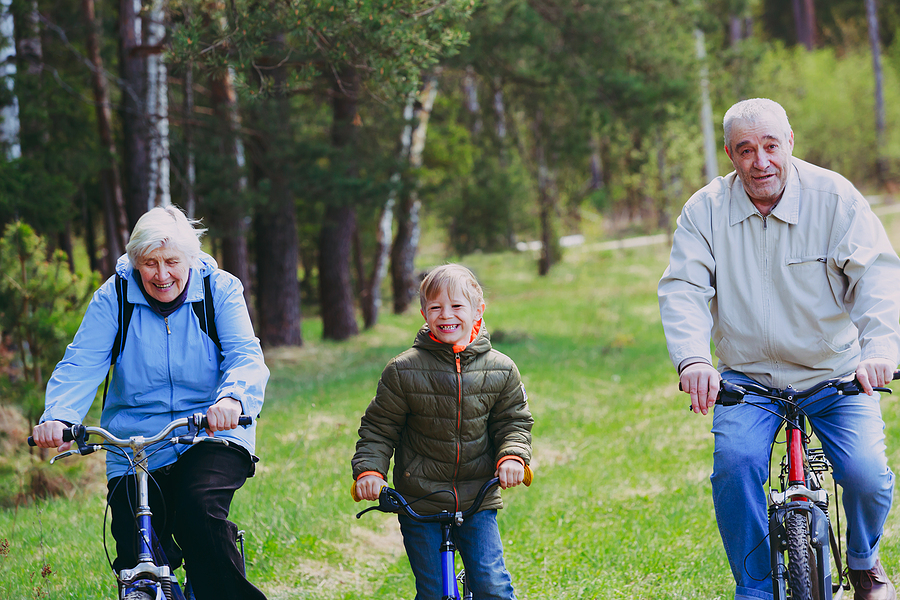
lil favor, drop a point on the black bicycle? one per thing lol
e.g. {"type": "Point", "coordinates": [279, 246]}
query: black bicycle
{"type": "Point", "coordinates": [391, 501]}
{"type": "Point", "coordinates": [805, 552]}
{"type": "Point", "coordinates": [152, 577]}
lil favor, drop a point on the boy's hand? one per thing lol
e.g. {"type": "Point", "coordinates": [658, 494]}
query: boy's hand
{"type": "Point", "coordinates": [369, 487]}
{"type": "Point", "coordinates": [511, 473]}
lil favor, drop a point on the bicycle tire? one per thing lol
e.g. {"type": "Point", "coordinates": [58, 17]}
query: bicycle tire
{"type": "Point", "coordinates": [799, 569]}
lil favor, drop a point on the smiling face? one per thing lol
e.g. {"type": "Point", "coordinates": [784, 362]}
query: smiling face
{"type": "Point", "coordinates": [451, 316]}
{"type": "Point", "coordinates": [760, 151]}
{"type": "Point", "coordinates": [164, 273]}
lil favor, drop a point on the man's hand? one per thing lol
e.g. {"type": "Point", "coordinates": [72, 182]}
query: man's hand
{"type": "Point", "coordinates": [49, 435]}
{"type": "Point", "coordinates": [369, 487]}
{"type": "Point", "coordinates": [223, 415]}
{"type": "Point", "coordinates": [874, 372]}
{"type": "Point", "coordinates": [701, 381]}
{"type": "Point", "coordinates": [511, 473]}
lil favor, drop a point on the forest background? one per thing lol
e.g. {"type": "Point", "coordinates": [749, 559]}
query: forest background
{"type": "Point", "coordinates": [324, 143]}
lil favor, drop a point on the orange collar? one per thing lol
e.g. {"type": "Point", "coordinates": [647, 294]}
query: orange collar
{"type": "Point", "coordinates": [457, 348]}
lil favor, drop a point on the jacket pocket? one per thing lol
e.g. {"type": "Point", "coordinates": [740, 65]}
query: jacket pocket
{"type": "Point", "coordinates": [412, 469]}
{"type": "Point", "coordinates": [799, 261]}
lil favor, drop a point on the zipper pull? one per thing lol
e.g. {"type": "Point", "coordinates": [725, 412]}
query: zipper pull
{"type": "Point", "coordinates": [168, 331]}
{"type": "Point", "coordinates": [458, 364]}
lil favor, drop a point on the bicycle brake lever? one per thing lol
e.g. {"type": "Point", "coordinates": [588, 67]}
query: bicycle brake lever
{"type": "Point", "coordinates": [362, 512]}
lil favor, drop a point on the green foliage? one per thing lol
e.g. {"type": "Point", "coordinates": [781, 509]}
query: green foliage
{"type": "Point", "coordinates": [390, 41]}
{"type": "Point", "coordinates": [829, 99]}
{"type": "Point", "coordinates": [40, 308]}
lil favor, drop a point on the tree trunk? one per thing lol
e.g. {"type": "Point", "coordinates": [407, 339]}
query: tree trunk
{"type": "Point", "coordinates": [335, 285]}
{"type": "Point", "coordinates": [187, 129]}
{"type": "Point", "coordinates": [339, 223]}
{"type": "Point", "coordinates": [805, 22]}
{"type": "Point", "coordinates": [133, 68]}
{"type": "Point", "coordinates": [232, 219]}
{"type": "Point", "coordinates": [406, 241]}
{"type": "Point", "coordinates": [9, 114]}
{"type": "Point", "coordinates": [711, 162]}
{"type": "Point", "coordinates": [275, 228]}
{"type": "Point", "coordinates": [157, 107]}
{"type": "Point", "coordinates": [546, 202]}
{"type": "Point", "coordinates": [111, 184]}
{"type": "Point", "coordinates": [881, 168]}
{"type": "Point", "coordinates": [470, 93]}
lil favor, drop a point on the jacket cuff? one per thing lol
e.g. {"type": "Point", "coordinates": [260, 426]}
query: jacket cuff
{"type": "Point", "coordinates": [366, 473]}
{"type": "Point", "coordinates": [510, 457]}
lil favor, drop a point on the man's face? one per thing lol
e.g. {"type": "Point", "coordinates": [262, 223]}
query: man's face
{"type": "Point", "coordinates": [761, 154]}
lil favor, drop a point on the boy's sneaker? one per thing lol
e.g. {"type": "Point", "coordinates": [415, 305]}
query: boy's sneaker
{"type": "Point", "coordinates": [872, 584]}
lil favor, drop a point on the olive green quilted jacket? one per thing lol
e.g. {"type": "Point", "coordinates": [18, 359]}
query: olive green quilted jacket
{"type": "Point", "coordinates": [449, 418]}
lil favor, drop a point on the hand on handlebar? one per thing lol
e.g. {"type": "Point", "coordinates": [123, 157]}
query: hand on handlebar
{"type": "Point", "coordinates": [369, 487]}
{"type": "Point", "coordinates": [874, 372]}
{"type": "Point", "coordinates": [223, 415]}
{"type": "Point", "coordinates": [701, 381]}
{"type": "Point", "coordinates": [511, 473]}
{"type": "Point", "coordinates": [49, 434]}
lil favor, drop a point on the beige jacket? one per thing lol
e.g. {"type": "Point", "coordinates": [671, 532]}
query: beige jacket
{"type": "Point", "coordinates": [793, 298]}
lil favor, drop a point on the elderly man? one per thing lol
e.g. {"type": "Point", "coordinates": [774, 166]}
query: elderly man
{"type": "Point", "coordinates": [785, 267]}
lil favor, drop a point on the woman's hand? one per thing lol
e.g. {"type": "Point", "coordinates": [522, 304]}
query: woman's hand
{"type": "Point", "coordinates": [223, 415]}
{"type": "Point", "coordinates": [49, 435]}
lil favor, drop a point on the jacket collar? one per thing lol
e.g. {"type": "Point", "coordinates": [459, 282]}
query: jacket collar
{"type": "Point", "coordinates": [787, 209]}
{"type": "Point", "coordinates": [480, 343]}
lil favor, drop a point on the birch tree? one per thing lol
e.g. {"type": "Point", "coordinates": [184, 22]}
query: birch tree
{"type": "Point", "coordinates": [9, 111]}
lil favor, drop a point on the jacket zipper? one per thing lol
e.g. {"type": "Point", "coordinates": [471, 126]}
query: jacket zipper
{"type": "Point", "coordinates": [458, 426]}
{"type": "Point", "coordinates": [168, 331]}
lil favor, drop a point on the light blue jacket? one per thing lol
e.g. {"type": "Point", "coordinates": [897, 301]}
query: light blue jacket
{"type": "Point", "coordinates": [168, 369]}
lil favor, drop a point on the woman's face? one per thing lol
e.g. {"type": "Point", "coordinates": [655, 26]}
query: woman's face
{"type": "Point", "coordinates": [164, 273]}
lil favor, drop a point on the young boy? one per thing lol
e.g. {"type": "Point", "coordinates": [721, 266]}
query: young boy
{"type": "Point", "coordinates": [456, 413]}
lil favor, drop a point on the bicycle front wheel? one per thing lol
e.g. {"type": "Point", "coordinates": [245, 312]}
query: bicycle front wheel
{"type": "Point", "coordinates": [799, 557]}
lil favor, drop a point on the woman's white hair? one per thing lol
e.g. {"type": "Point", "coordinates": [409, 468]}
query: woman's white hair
{"type": "Point", "coordinates": [164, 226]}
{"type": "Point", "coordinates": [751, 111]}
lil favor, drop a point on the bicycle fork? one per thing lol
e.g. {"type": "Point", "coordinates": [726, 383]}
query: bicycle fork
{"type": "Point", "coordinates": [798, 498]}
{"type": "Point", "coordinates": [448, 564]}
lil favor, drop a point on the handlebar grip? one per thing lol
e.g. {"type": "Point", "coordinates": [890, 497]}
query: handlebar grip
{"type": "Point", "coordinates": [353, 493]}
{"type": "Point", "coordinates": [68, 434]}
{"type": "Point", "coordinates": [529, 476]}
{"type": "Point", "coordinates": [243, 421]}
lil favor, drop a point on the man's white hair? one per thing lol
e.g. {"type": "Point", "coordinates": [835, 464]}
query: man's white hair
{"type": "Point", "coordinates": [751, 111]}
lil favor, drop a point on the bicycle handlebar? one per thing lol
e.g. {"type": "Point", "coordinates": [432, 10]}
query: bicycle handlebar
{"type": "Point", "coordinates": [391, 501]}
{"type": "Point", "coordinates": [731, 394]}
{"type": "Point", "coordinates": [194, 423]}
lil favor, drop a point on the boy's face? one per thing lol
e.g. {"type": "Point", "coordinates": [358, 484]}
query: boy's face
{"type": "Point", "coordinates": [450, 317]}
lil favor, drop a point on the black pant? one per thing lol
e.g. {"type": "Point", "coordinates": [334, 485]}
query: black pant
{"type": "Point", "coordinates": [190, 501]}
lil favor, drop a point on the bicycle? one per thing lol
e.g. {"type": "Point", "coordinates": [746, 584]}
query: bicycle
{"type": "Point", "coordinates": [152, 577]}
{"type": "Point", "coordinates": [802, 540]}
{"type": "Point", "coordinates": [391, 501]}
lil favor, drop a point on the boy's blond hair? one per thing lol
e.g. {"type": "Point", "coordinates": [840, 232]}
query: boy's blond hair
{"type": "Point", "coordinates": [452, 278]}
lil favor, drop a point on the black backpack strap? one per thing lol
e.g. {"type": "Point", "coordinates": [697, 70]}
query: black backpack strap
{"type": "Point", "coordinates": [206, 313]}
{"type": "Point", "coordinates": [125, 310]}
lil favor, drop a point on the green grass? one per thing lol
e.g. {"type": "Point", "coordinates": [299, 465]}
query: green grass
{"type": "Point", "coordinates": [620, 506]}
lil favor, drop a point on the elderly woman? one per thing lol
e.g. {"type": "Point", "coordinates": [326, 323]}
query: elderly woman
{"type": "Point", "coordinates": [168, 367]}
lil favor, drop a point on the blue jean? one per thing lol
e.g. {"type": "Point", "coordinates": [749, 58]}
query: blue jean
{"type": "Point", "coordinates": [478, 543]}
{"type": "Point", "coordinates": [852, 434]}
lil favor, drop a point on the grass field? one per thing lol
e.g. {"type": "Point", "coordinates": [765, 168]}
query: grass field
{"type": "Point", "coordinates": [620, 506]}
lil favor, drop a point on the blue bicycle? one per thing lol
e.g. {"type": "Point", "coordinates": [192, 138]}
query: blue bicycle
{"type": "Point", "coordinates": [152, 577]}
{"type": "Point", "coordinates": [391, 501]}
